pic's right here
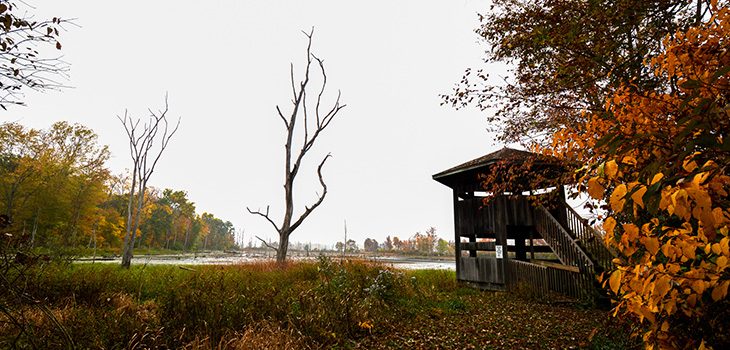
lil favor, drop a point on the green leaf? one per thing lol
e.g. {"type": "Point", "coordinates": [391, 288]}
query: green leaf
{"type": "Point", "coordinates": [720, 72]}
{"type": "Point", "coordinates": [690, 84]}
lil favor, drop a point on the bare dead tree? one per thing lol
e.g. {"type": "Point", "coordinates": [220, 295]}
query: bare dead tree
{"type": "Point", "coordinates": [145, 154]}
{"type": "Point", "coordinates": [314, 122]}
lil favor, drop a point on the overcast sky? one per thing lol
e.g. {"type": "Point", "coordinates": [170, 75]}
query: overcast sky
{"type": "Point", "coordinates": [225, 66]}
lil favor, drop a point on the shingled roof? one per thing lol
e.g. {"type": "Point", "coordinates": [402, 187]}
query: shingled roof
{"type": "Point", "coordinates": [482, 163]}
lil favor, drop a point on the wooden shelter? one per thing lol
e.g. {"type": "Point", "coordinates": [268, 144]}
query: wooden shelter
{"type": "Point", "coordinates": [505, 240]}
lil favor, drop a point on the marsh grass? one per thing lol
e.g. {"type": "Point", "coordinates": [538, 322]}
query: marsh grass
{"type": "Point", "coordinates": [323, 304]}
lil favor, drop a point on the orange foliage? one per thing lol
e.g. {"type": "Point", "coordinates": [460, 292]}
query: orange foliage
{"type": "Point", "coordinates": [659, 159]}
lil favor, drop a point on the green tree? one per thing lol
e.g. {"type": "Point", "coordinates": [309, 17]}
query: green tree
{"type": "Point", "coordinates": [442, 247]}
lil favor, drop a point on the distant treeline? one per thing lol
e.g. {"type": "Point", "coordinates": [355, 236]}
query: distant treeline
{"type": "Point", "coordinates": [426, 243]}
{"type": "Point", "coordinates": [56, 191]}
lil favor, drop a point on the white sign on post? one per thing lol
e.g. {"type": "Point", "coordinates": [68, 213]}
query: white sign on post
{"type": "Point", "coordinates": [498, 251]}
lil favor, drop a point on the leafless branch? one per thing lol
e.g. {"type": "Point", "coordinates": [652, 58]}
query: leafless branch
{"type": "Point", "coordinates": [281, 115]}
{"type": "Point", "coordinates": [267, 244]}
{"type": "Point", "coordinates": [264, 215]}
{"type": "Point", "coordinates": [308, 210]}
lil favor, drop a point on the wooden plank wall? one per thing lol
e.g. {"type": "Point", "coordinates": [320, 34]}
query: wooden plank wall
{"type": "Point", "coordinates": [480, 269]}
{"type": "Point", "coordinates": [474, 219]}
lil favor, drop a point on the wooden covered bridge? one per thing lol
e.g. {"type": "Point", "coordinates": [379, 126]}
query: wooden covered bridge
{"type": "Point", "coordinates": [508, 242]}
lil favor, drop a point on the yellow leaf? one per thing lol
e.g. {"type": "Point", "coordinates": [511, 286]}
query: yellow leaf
{"type": "Point", "coordinates": [638, 196]}
{"type": "Point", "coordinates": [720, 291]}
{"type": "Point", "coordinates": [615, 281]}
{"type": "Point", "coordinates": [656, 178]}
{"type": "Point", "coordinates": [721, 262]}
{"type": "Point", "coordinates": [699, 286]}
{"type": "Point", "coordinates": [716, 249]}
{"type": "Point", "coordinates": [652, 245]}
{"type": "Point", "coordinates": [617, 198]}
{"type": "Point", "coordinates": [692, 300]}
{"type": "Point", "coordinates": [609, 225]}
{"type": "Point", "coordinates": [689, 165]}
{"type": "Point", "coordinates": [662, 287]}
{"type": "Point", "coordinates": [611, 169]}
{"type": "Point", "coordinates": [700, 178]}
{"type": "Point", "coordinates": [595, 190]}
{"type": "Point", "coordinates": [629, 160]}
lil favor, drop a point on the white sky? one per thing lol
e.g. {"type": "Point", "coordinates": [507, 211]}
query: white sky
{"type": "Point", "coordinates": [225, 65]}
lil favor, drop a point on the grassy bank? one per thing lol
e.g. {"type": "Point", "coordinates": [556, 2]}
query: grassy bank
{"type": "Point", "coordinates": [326, 304]}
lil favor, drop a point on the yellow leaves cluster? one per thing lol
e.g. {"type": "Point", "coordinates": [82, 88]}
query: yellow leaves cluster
{"type": "Point", "coordinates": [365, 325]}
{"type": "Point", "coordinates": [669, 200]}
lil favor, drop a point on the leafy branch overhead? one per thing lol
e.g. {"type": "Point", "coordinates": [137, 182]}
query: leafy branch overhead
{"type": "Point", "coordinates": [306, 121]}
{"type": "Point", "coordinates": [27, 60]}
{"type": "Point", "coordinates": [565, 57]}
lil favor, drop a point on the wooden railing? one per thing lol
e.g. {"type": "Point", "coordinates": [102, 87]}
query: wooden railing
{"type": "Point", "coordinates": [561, 241]}
{"type": "Point", "coordinates": [588, 238]}
{"type": "Point", "coordinates": [537, 279]}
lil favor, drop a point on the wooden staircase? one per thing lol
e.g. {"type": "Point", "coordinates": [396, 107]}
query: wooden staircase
{"type": "Point", "coordinates": [574, 242]}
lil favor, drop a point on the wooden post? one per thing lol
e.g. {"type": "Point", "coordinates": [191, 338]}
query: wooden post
{"type": "Point", "coordinates": [474, 215]}
{"type": "Point", "coordinates": [457, 235]}
{"type": "Point", "coordinates": [501, 235]}
{"type": "Point", "coordinates": [520, 249]}
{"type": "Point", "coordinates": [532, 243]}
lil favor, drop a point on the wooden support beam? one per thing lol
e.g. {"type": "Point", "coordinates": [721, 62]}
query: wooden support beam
{"type": "Point", "coordinates": [457, 235]}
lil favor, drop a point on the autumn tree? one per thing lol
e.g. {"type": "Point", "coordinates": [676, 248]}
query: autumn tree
{"type": "Point", "coordinates": [425, 242]}
{"type": "Point", "coordinates": [565, 57]}
{"type": "Point", "coordinates": [147, 142]}
{"type": "Point", "coordinates": [51, 181]}
{"type": "Point", "coordinates": [26, 58]}
{"type": "Point", "coordinates": [659, 160]}
{"type": "Point", "coordinates": [306, 121]}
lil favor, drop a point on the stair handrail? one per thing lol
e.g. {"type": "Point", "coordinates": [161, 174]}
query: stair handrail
{"type": "Point", "coordinates": [591, 239]}
{"type": "Point", "coordinates": [565, 247]}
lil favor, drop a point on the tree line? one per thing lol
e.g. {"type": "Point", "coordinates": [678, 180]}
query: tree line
{"type": "Point", "coordinates": [426, 243]}
{"type": "Point", "coordinates": [56, 191]}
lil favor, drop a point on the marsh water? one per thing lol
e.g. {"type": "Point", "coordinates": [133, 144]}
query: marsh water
{"type": "Point", "coordinates": [401, 262]}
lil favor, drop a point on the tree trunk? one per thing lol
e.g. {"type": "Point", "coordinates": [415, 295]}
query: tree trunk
{"type": "Point", "coordinates": [35, 228]}
{"type": "Point", "coordinates": [187, 236]}
{"type": "Point", "coordinates": [283, 247]}
{"type": "Point", "coordinates": [127, 251]}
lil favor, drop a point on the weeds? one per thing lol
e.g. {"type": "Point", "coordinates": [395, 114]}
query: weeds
{"type": "Point", "coordinates": [323, 304]}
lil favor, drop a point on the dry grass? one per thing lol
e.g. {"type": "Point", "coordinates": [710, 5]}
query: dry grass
{"type": "Point", "coordinates": [264, 335]}
{"type": "Point", "coordinates": [266, 306]}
